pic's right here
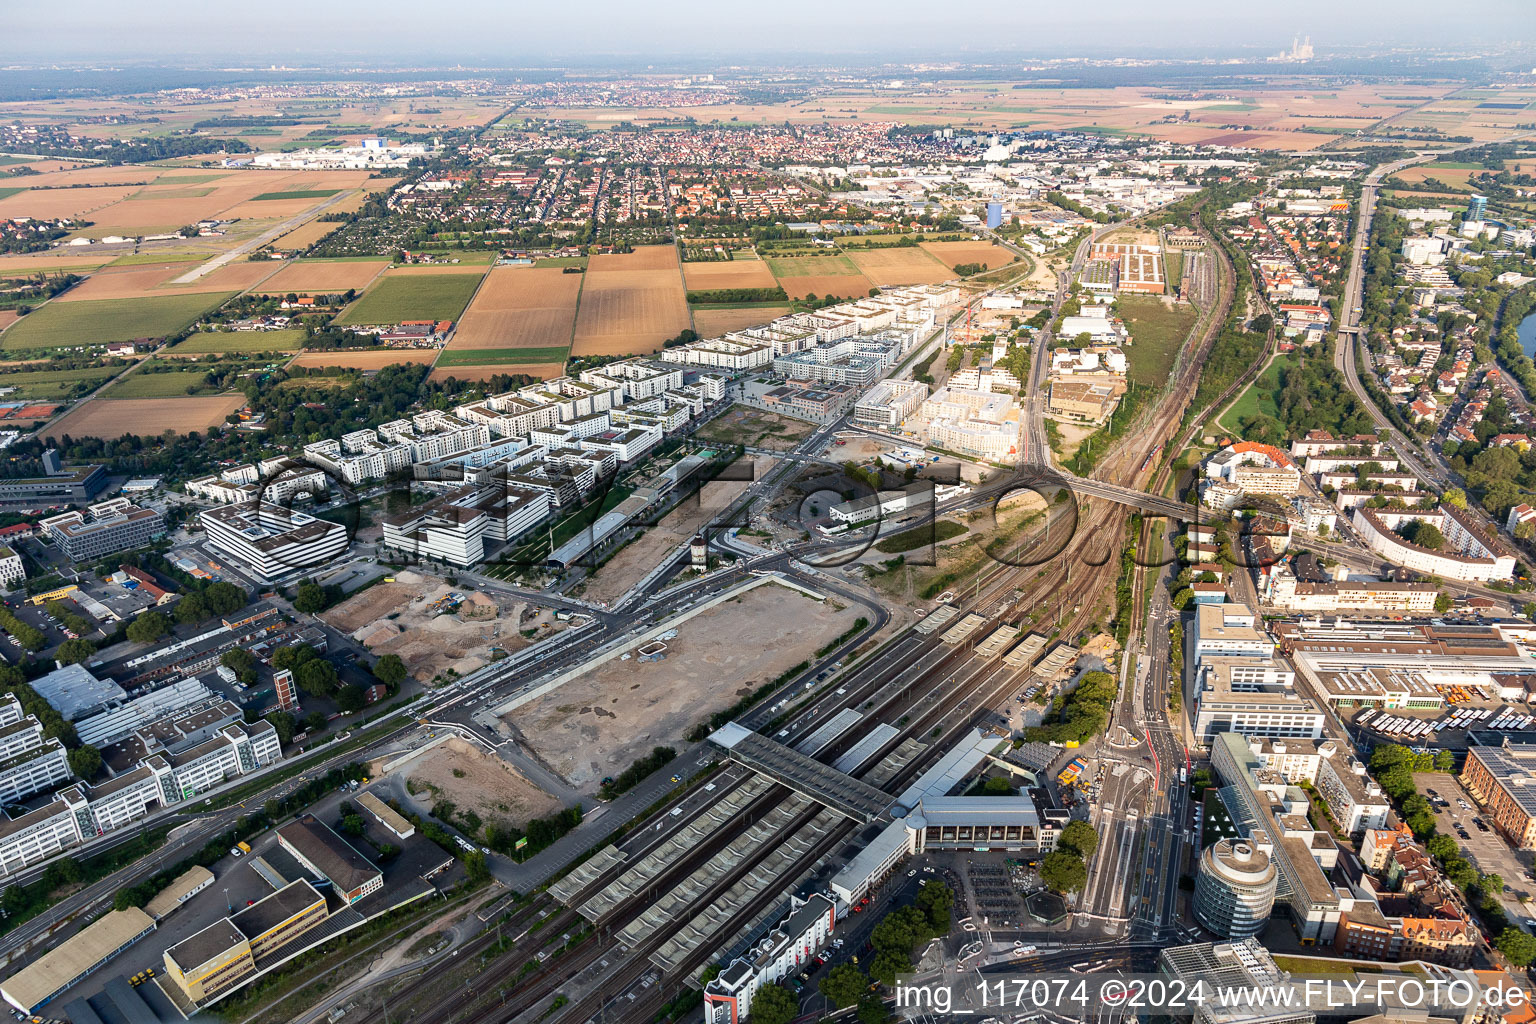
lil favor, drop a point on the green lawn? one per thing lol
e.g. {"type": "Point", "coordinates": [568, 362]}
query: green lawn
{"type": "Point", "coordinates": [1173, 267]}
{"type": "Point", "coordinates": [498, 356]}
{"type": "Point", "coordinates": [420, 297]}
{"type": "Point", "coordinates": [173, 193]}
{"type": "Point", "coordinates": [290, 340]}
{"type": "Point", "coordinates": [324, 193]}
{"type": "Point", "coordinates": [1157, 332]}
{"type": "Point", "coordinates": [134, 259]}
{"type": "Point", "coordinates": [55, 383]}
{"type": "Point", "coordinates": [172, 384]}
{"type": "Point", "coordinates": [810, 266]}
{"type": "Point", "coordinates": [1258, 398]}
{"type": "Point", "coordinates": [7, 192]}
{"type": "Point", "coordinates": [103, 321]}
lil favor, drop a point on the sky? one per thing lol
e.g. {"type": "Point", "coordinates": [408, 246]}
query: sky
{"type": "Point", "coordinates": [513, 32]}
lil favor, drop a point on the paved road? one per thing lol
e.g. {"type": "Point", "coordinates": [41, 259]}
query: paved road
{"type": "Point", "coordinates": [203, 269]}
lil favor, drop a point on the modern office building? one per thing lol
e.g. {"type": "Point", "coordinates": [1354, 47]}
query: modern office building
{"type": "Point", "coordinates": [1234, 889]}
{"type": "Point", "coordinates": [456, 527]}
{"type": "Point", "coordinates": [105, 527]}
{"type": "Point", "coordinates": [64, 487]}
{"type": "Point", "coordinates": [1477, 207]}
{"type": "Point", "coordinates": [12, 571]}
{"type": "Point", "coordinates": [888, 404]}
{"type": "Point", "coordinates": [1503, 780]}
{"type": "Point", "coordinates": [1252, 697]}
{"type": "Point", "coordinates": [1243, 965]}
{"type": "Point", "coordinates": [272, 541]}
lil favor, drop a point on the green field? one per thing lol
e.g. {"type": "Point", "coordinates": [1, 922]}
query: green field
{"type": "Point", "coordinates": [422, 297]}
{"type": "Point", "coordinates": [53, 384]}
{"type": "Point", "coordinates": [1157, 332]}
{"type": "Point", "coordinates": [296, 194]}
{"type": "Point", "coordinates": [1258, 398]}
{"type": "Point", "coordinates": [290, 340]}
{"type": "Point", "coordinates": [192, 179]}
{"type": "Point", "coordinates": [810, 266]}
{"type": "Point", "coordinates": [498, 356]}
{"type": "Point", "coordinates": [103, 321]}
{"type": "Point", "coordinates": [6, 193]}
{"type": "Point", "coordinates": [173, 384]}
{"type": "Point", "coordinates": [173, 193]}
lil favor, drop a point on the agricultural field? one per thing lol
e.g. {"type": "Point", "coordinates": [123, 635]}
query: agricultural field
{"type": "Point", "coordinates": [952, 254]}
{"type": "Point", "coordinates": [218, 342]}
{"type": "Point", "coordinates": [703, 277]}
{"type": "Point", "coordinates": [142, 280]}
{"type": "Point", "coordinates": [56, 384]}
{"type": "Point", "coordinates": [171, 384]}
{"type": "Point", "coordinates": [323, 277]}
{"type": "Point", "coordinates": [712, 321]}
{"type": "Point", "coordinates": [147, 417]}
{"type": "Point", "coordinates": [366, 358]}
{"type": "Point", "coordinates": [401, 294]}
{"type": "Point", "coordinates": [631, 303]}
{"type": "Point", "coordinates": [887, 267]}
{"type": "Point", "coordinates": [103, 321]}
{"type": "Point", "coordinates": [820, 276]}
{"type": "Point", "coordinates": [516, 312]}
{"type": "Point", "coordinates": [542, 371]}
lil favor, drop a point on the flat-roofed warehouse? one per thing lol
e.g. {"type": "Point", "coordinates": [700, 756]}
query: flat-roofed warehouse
{"type": "Point", "coordinates": [331, 857]}
{"type": "Point", "coordinates": [81, 954]}
{"type": "Point", "coordinates": [387, 815]}
{"type": "Point", "coordinates": [186, 885]}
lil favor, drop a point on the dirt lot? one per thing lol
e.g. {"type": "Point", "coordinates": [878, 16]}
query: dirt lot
{"type": "Point", "coordinates": [644, 553]}
{"type": "Point", "coordinates": [409, 618]}
{"type": "Point", "coordinates": [900, 266]}
{"type": "Point", "coordinates": [476, 781]}
{"type": "Point", "coordinates": [712, 323]}
{"type": "Point", "coordinates": [748, 426]}
{"type": "Point", "coordinates": [704, 277]}
{"type": "Point", "coordinates": [520, 307]}
{"type": "Point", "coordinates": [629, 311]}
{"type": "Point", "coordinates": [371, 359]}
{"type": "Point", "coordinates": [308, 277]}
{"type": "Point", "coordinates": [112, 418]}
{"type": "Point", "coordinates": [598, 724]}
{"type": "Point", "coordinates": [952, 253]}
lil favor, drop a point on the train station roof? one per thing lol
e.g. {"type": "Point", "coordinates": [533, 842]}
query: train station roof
{"type": "Point", "coordinates": [822, 783]}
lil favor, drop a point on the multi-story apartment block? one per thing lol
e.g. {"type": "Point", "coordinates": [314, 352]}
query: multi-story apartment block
{"type": "Point", "coordinates": [273, 541]}
{"type": "Point", "coordinates": [456, 527]}
{"type": "Point", "coordinates": [12, 571]}
{"type": "Point", "coordinates": [360, 456]}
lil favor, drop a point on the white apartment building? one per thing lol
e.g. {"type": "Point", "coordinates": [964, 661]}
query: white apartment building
{"type": "Point", "coordinates": [11, 570]}
{"type": "Point", "coordinates": [722, 353]}
{"type": "Point", "coordinates": [889, 403]}
{"type": "Point", "coordinates": [360, 456]}
{"type": "Point", "coordinates": [272, 541]}
{"type": "Point", "coordinates": [976, 423]}
{"type": "Point", "coordinates": [38, 835]}
{"type": "Point", "coordinates": [1355, 799]}
{"type": "Point", "coordinates": [1469, 553]}
{"type": "Point", "coordinates": [435, 434]}
{"type": "Point", "coordinates": [456, 527]}
{"type": "Point", "coordinates": [1251, 697]}
{"type": "Point", "coordinates": [38, 770]}
{"type": "Point", "coordinates": [785, 951]}
{"type": "Point", "coordinates": [278, 479]}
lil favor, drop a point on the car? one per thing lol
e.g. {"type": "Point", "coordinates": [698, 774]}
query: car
{"type": "Point", "coordinates": [234, 851]}
{"type": "Point", "coordinates": [858, 908]}
{"type": "Point", "coordinates": [250, 903]}
{"type": "Point", "coordinates": [677, 778]}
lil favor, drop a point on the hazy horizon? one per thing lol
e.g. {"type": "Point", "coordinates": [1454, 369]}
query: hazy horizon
{"type": "Point", "coordinates": [483, 32]}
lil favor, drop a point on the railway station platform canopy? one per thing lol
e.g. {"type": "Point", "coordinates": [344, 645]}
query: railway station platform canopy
{"type": "Point", "coordinates": [822, 783]}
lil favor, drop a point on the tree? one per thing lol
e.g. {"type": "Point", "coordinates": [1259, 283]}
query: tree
{"type": "Point", "coordinates": [1063, 872]}
{"type": "Point", "coordinates": [997, 786]}
{"type": "Point", "coordinates": [476, 868]}
{"type": "Point", "coordinates": [74, 650]}
{"type": "Point", "coordinates": [85, 762]}
{"type": "Point", "coordinates": [1444, 761]}
{"type": "Point", "coordinates": [353, 824]}
{"type": "Point", "coordinates": [309, 598]}
{"type": "Point", "coordinates": [1442, 848]}
{"type": "Point", "coordinates": [148, 627]}
{"type": "Point", "coordinates": [317, 677]}
{"type": "Point", "coordinates": [389, 670]}
{"type": "Point", "coordinates": [843, 985]}
{"type": "Point", "coordinates": [937, 901]}
{"type": "Point", "coordinates": [1443, 602]}
{"type": "Point", "coordinates": [284, 725]}
{"type": "Point", "coordinates": [1454, 495]}
{"type": "Point", "coordinates": [191, 608]}
{"type": "Point", "coordinates": [350, 698]}
{"type": "Point", "coordinates": [1518, 947]}
{"type": "Point", "coordinates": [774, 1004]}
{"type": "Point", "coordinates": [222, 598]}
{"type": "Point", "coordinates": [872, 1011]}
{"type": "Point", "coordinates": [1492, 884]}
{"type": "Point", "coordinates": [1078, 837]}
{"type": "Point", "coordinates": [314, 721]}
{"type": "Point", "coordinates": [887, 964]}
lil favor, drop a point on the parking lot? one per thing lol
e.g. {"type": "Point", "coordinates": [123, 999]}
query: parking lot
{"type": "Point", "coordinates": [1483, 846]}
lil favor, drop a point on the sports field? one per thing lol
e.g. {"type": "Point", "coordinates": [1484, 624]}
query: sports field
{"type": "Point", "coordinates": [103, 321]}
{"type": "Point", "coordinates": [147, 417]}
{"type": "Point", "coordinates": [631, 303]}
{"type": "Point", "coordinates": [400, 295]}
{"type": "Point", "coordinates": [519, 307]}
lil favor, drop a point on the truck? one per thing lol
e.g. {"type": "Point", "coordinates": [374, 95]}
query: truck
{"type": "Point", "coordinates": [244, 847]}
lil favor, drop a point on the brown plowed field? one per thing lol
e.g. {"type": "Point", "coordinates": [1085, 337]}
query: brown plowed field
{"type": "Point", "coordinates": [952, 253]}
{"type": "Point", "coordinates": [712, 323]}
{"type": "Point", "coordinates": [309, 277]}
{"type": "Point", "coordinates": [62, 202]}
{"type": "Point", "coordinates": [703, 277]}
{"type": "Point", "coordinates": [520, 307]}
{"type": "Point", "coordinates": [111, 418]}
{"type": "Point", "coordinates": [855, 286]}
{"type": "Point", "coordinates": [128, 282]}
{"type": "Point", "coordinates": [887, 267]}
{"type": "Point", "coordinates": [627, 310]}
{"type": "Point", "coordinates": [370, 359]}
